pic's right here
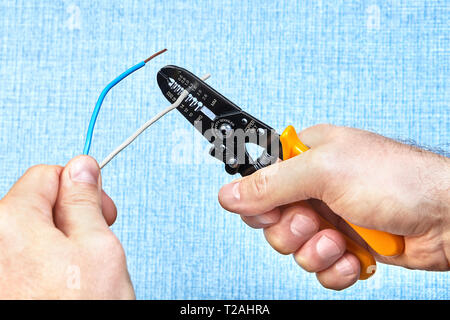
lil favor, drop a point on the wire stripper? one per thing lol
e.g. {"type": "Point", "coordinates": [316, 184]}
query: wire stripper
{"type": "Point", "coordinates": [229, 129]}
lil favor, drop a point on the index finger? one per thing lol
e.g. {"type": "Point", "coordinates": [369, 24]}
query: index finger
{"type": "Point", "coordinates": [37, 190]}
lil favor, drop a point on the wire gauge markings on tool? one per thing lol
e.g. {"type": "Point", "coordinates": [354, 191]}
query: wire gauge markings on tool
{"type": "Point", "coordinates": [130, 139]}
{"type": "Point", "coordinates": [103, 94]}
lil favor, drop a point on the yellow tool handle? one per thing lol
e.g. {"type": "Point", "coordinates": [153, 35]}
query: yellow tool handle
{"type": "Point", "coordinates": [382, 242]}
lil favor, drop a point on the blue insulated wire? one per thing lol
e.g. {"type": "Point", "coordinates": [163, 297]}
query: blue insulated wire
{"type": "Point", "coordinates": [98, 105]}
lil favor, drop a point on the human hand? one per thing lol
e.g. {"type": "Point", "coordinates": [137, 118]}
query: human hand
{"type": "Point", "coordinates": [55, 242]}
{"type": "Point", "coordinates": [367, 179]}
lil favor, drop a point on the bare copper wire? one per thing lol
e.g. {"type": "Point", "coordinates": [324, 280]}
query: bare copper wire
{"type": "Point", "coordinates": [155, 55]}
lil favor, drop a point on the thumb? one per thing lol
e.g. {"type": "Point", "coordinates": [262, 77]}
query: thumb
{"type": "Point", "coordinates": [295, 179]}
{"type": "Point", "coordinates": [78, 208]}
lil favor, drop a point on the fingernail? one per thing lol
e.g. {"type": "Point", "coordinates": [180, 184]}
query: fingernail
{"type": "Point", "coordinates": [84, 169]}
{"type": "Point", "coordinates": [302, 226]}
{"type": "Point", "coordinates": [327, 248]}
{"type": "Point", "coordinates": [235, 191]}
{"type": "Point", "coordinates": [344, 267]}
{"type": "Point", "coordinates": [230, 192]}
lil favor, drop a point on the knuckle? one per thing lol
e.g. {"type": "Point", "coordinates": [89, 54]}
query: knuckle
{"type": "Point", "coordinates": [105, 246]}
{"type": "Point", "coordinates": [257, 186]}
{"type": "Point", "coordinates": [324, 127]}
{"type": "Point", "coordinates": [80, 198]}
{"type": "Point", "coordinates": [41, 168]}
{"type": "Point", "coordinates": [51, 172]}
{"type": "Point", "coordinates": [329, 132]}
{"type": "Point", "coordinates": [36, 169]}
{"type": "Point", "coordinates": [111, 247]}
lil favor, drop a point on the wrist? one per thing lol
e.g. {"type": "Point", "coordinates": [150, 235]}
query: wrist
{"type": "Point", "coordinates": [442, 191]}
{"type": "Point", "coordinates": [441, 195]}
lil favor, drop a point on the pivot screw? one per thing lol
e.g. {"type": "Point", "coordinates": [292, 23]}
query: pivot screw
{"type": "Point", "coordinates": [225, 129]}
{"type": "Point", "coordinates": [232, 162]}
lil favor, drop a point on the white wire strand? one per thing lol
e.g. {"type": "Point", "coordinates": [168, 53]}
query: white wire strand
{"type": "Point", "coordinates": [133, 137]}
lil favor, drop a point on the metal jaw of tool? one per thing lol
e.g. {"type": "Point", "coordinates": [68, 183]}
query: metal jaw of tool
{"type": "Point", "coordinates": [221, 122]}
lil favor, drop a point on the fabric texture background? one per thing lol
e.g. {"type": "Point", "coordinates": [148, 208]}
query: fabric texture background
{"type": "Point", "coordinates": [375, 65]}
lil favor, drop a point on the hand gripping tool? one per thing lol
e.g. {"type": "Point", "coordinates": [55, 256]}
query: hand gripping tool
{"type": "Point", "coordinates": [230, 129]}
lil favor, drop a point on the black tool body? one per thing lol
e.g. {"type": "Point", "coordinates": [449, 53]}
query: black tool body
{"type": "Point", "coordinates": [221, 122]}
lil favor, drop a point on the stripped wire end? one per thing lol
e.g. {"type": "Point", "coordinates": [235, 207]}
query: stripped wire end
{"type": "Point", "coordinates": [155, 55]}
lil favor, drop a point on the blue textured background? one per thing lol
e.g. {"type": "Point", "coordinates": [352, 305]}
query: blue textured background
{"type": "Point", "coordinates": [376, 65]}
